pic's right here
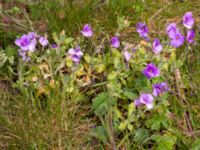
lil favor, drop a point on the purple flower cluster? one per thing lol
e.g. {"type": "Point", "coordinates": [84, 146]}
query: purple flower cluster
{"type": "Point", "coordinates": [27, 44]}
{"type": "Point", "coordinates": [75, 54]}
{"type": "Point", "coordinates": [147, 98]}
{"type": "Point", "coordinates": [177, 39]}
{"type": "Point", "coordinates": [150, 72]}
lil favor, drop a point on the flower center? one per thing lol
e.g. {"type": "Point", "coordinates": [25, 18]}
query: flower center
{"type": "Point", "coordinates": [143, 28]}
{"type": "Point", "coordinates": [177, 37]}
{"type": "Point", "coordinates": [25, 42]}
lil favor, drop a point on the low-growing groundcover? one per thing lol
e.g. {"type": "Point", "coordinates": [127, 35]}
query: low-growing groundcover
{"type": "Point", "coordinates": [119, 90]}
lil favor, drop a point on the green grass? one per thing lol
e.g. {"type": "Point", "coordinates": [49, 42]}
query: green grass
{"type": "Point", "coordinates": [60, 125]}
{"type": "Point", "coordinates": [24, 126]}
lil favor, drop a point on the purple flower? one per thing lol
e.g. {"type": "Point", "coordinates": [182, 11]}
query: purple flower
{"type": "Point", "coordinates": [160, 88]}
{"type": "Point", "coordinates": [32, 36]}
{"type": "Point", "coordinates": [54, 46]}
{"type": "Point", "coordinates": [115, 42]}
{"type": "Point", "coordinates": [87, 31]}
{"type": "Point", "coordinates": [134, 50]}
{"type": "Point", "coordinates": [25, 43]}
{"type": "Point", "coordinates": [157, 47]}
{"type": "Point", "coordinates": [188, 20]}
{"type": "Point", "coordinates": [151, 71]}
{"type": "Point", "coordinates": [171, 30]}
{"type": "Point", "coordinates": [43, 41]}
{"type": "Point", "coordinates": [24, 55]}
{"type": "Point", "coordinates": [142, 29]}
{"type": "Point", "coordinates": [177, 40]}
{"type": "Point", "coordinates": [171, 27]}
{"type": "Point", "coordinates": [146, 99]}
{"type": "Point", "coordinates": [127, 56]}
{"type": "Point", "coordinates": [190, 36]}
{"type": "Point", "coordinates": [137, 102]}
{"type": "Point", "coordinates": [75, 54]}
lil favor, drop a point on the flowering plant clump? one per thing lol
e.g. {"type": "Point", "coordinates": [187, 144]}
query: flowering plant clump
{"type": "Point", "coordinates": [124, 82]}
{"type": "Point", "coordinates": [27, 44]}
{"type": "Point", "coordinates": [177, 39]}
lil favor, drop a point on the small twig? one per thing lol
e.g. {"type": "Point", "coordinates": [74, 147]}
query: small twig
{"type": "Point", "coordinates": [28, 20]}
{"type": "Point", "coordinates": [183, 99]}
{"type": "Point", "coordinates": [180, 90]}
{"type": "Point", "coordinates": [123, 139]}
{"type": "Point", "coordinates": [14, 20]}
{"type": "Point", "coordinates": [187, 120]}
{"type": "Point", "coordinates": [178, 122]}
{"type": "Point", "coordinates": [159, 11]}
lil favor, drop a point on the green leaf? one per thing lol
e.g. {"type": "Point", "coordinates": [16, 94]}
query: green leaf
{"type": "Point", "coordinates": [112, 75]}
{"type": "Point", "coordinates": [196, 145]}
{"type": "Point", "coordinates": [118, 114]}
{"type": "Point", "coordinates": [141, 135]}
{"type": "Point", "coordinates": [179, 63]}
{"type": "Point", "coordinates": [69, 62]}
{"type": "Point", "coordinates": [122, 23]}
{"type": "Point", "coordinates": [100, 104]}
{"type": "Point", "coordinates": [165, 142]}
{"type": "Point", "coordinates": [123, 125]}
{"type": "Point", "coordinates": [87, 58]}
{"type": "Point", "coordinates": [130, 127]}
{"type": "Point", "coordinates": [116, 62]}
{"type": "Point", "coordinates": [3, 58]}
{"type": "Point", "coordinates": [172, 58]}
{"type": "Point", "coordinates": [10, 51]}
{"type": "Point", "coordinates": [55, 38]}
{"type": "Point", "coordinates": [157, 121]}
{"type": "Point", "coordinates": [68, 40]}
{"type": "Point", "coordinates": [100, 68]}
{"type": "Point", "coordinates": [131, 108]}
{"type": "Point", "coordinates": [100, 133]}
{"type": "Point", "coordinates": [141, 83]}
{"type": "Point", "coordinates": [130, 95]}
